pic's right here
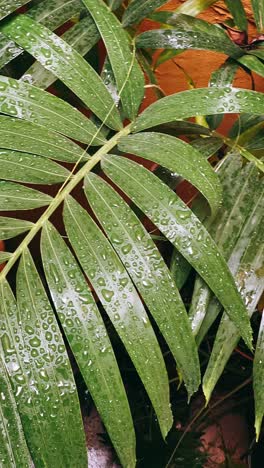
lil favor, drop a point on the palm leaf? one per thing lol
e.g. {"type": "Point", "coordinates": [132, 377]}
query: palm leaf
{"type": "Point", "coordinates": [59, 58]}
{"type": "Point", "coordinates": [122, 304]}
{"type": "Point", "coordinates": [27, 102]}
{"type": "Point", "coordinates": [128, 76]}
{"type": "Point", "coordinates": [87, 336]}
{"type": "Point", "coordinates": [150, 275]}
{"type": "Point", "coordinates": [183, 230]}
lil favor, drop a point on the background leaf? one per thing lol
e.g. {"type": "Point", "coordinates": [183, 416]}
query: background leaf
{"type": "Point", "coordinates": [137, 10]}
{"type": "Point", "coordinates": [17, 197]}
{"type": "Point", "coordinates": [258, 10]}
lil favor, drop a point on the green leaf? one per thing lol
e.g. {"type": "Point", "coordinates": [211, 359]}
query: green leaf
{"type": "Point", "coordinates": [128, 75]}
{"type": "Point", "coordinates": [201, 101]}
{"type": "Point", "coordinates": [54, 13]}
{"type": "Point", "coordinates": [17, 197]}
{"type": "Point", "coordinates": [238, 12]}
{"type": "Point", "coordinates": [137, 10]}
{"type": "Point", "coordinates": [178, 157]}
{"type": "Point", "coordinates": [82, 37]}
{"type": "Point", "coordinates": [179, 268]}
{"type": "Point", "coordinates": [30, 168]}
{"type": "Point", "coordinates": [19, 135]}
{"type": "Point", "coordinates": [247, 260]}
{"type": "Point", "coordinates": [258, 374]}
{"type": "Point", "coordinates": [258, 10]}
{"type": "Point", "coordinates": [7, 7]}
{"type": "Point", "coordinates": [253, 63]}
{"type": "Point", "coordinates": [122, 304]}
{"type": "Point", "coordinates": [4, 256]}
{"type": "Point", "coordinates": [69, 66]}
{"type": "Point", "coordinates": [149, 273]}
{"type": "Point", "coordinates": [13, 447]}
{"type": "Point", "coordinates": [188, 33]}
{"type": "Point", "coordinates": [37, 362]}
{"type": "Point", "coordinates": [194, 7]}
{"type": "Point", "coordinates": [223, 76]}
{"type": "Point", "coordinates": [240, 194]}
{"type": "Point", "coordinates": [11, 227]}
{"type": "Point", "coordinates": [27, 102]}
{"type": "Point", "coordinates": [87, 336]}
{"type": "Point", "coordinates": [51, 13]}
{"type": "Point", "coordinates": [8, 50]}
{"type": "Point", "coordinates": [245, 122]}
{"type": "Point", "coordinates": [183, 229]}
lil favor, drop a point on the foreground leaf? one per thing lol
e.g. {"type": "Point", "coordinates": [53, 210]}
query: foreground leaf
{"type": "Point", "coordinates": [19, 135]}
{"type": "Point", "coordinates": [238, 12]}
{"type": "Point", "coordinates": [30, 168]}
{"type": "Point", "coordinates": [59, 58]}
{"type": "Point", "coordinates": [17, 197]}
{"type": "Point", "coordinates": [149, 273]}
{"type": "Point", "coordinates": [27, 102]}
{"type": "Point", "coordinates": [178, 157]}
{"type": "Point", "coordinates": [253, 63]}
{"type": "Point", "coordinates": [4, 256]}
{"type": "Point", "coordinates": [200, 102]}
{"type": "Point", "coordinates": [121, 302]}
{"type": "Point", "coordinates": [13, 447]}
{"type": "Point", "coordinates": [87, 336]}
{"type": "Point", "coordinates": [82, 36]}
{"type": "Point", "coordinates": [11, 227]}
{"type": "Point", "coordinates": [128, 75]}
{"type": "Point", "coordinates": [38, 365]}
{"type": "Point", "coordinates": [183, 229]}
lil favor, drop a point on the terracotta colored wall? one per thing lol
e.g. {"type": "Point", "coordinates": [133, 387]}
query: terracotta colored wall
{"type": "Point", "coordinates": [199, 64]}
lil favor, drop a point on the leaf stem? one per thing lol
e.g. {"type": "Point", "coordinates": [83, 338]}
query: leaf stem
{"type": "Point", "coordinates": [61, 195]}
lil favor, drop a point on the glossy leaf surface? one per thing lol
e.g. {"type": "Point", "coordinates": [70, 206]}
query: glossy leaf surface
{"type": "Point", "coordinates": [122, 304]}
{"type": "Point", "coordinates": [27, 102]}
{"type": "Point", "coordinates": [30, 168]}
{"type": "Point", "coordinates": [11, 227]}
{"type": "Point", "coordinates": [200, 102]}
{"type": "Point", "coordinates": [17, 197]}
{"type": "Point", "coordinates": [19, 135]}
{"type": "Point", "coordinates": [149, 273]}
{"type": "Point", "coordinates": [38, 365]}
{"type": "Point", "coordinates": [88, 339]}
{"type": "Point", "coordinates": [82, 36]}
{"type": "Point", "coordinates": [128, 75]}
{"type": "Point", "coordinates": [13, 447]}
{"type": "Point", "coordinates": [59, 58]}
{"type": "Point", "coordinates": [178, 157]}
{"type": "Point", "coordinates": [7, 7]}
{"type": "Point", "coordinates": [54, 13]}
{"type": "Point", "coordinates": [253, 63]}
{"type": "Point", "coordinates": [183, 229]}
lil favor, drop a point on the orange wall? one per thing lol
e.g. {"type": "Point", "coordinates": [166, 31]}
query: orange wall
{"type": "Point", "coordinates": [199, 64]}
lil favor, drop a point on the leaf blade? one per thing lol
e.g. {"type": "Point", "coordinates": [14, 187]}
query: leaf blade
{"type": "Point", "coordinates": [69, 66]}
{"type": "Point", "coordinates": [150, 367]}
{"type": "Point", "coordinates": [175, 220]}
{"type": "Point", "coordinates": [178, 157]}
{"type": "Point", "coordinates": [128, 75]}
{"type": "Point", "coordinates": [199, 102]}
{"type": "Point", "coordinates": [18, 197]}
{"type": "Point", "coordinates": [137, 10]}
{"type": "Point", "coordinates": [87, 336]}
{"type": "Point", "coordinates": [154, 283]}
{"type": "Point", "coordinates": [12, 227]}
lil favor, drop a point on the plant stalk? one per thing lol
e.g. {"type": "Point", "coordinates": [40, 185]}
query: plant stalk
{"type": "Point", "coordinates": [61, 195]}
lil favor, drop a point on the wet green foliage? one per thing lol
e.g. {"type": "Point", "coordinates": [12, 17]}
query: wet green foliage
{"type": "Point", "coordinates": [102, 281]}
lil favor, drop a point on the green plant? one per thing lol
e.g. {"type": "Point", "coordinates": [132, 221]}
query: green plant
{"type": "Point", "coordinates": [116, 257]}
